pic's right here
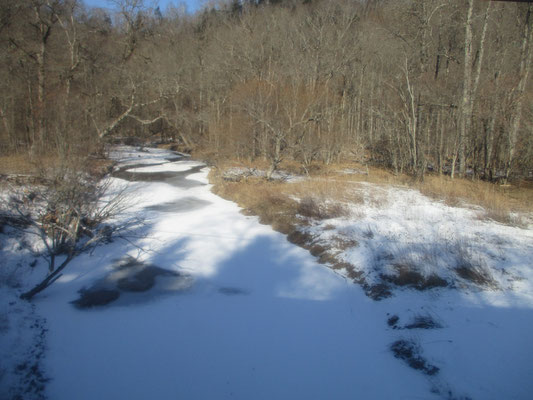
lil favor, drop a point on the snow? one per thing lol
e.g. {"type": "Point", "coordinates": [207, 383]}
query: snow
{"type": "Point", "coordinates": [173, 167]}
{"type": "Point", "coordinates": [237, 173]}
{"type": "Point", "coordinates": [263, 320]}
{"type": "Point", "coordinates": [133, 156]}
{"type": "Point", "coordinates": [22, 330]}
{"type": "Point", "coordinates": [400, 226]}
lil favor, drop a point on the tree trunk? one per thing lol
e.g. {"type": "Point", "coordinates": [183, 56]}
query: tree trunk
{"type": "Point", "coordinates": [466, 100]}
{"type": "Point", "coordinates": [488, 144]}
{"type": "Point", "coordinates": [525, 65]}
{"type": "Point", "coordinates": [41, 82]}
{"type": "Point", "coordinates": [51, 278]}
{"type": "Point", "coordinates": [276, 156]}
{"type": "Point", "coordinates": [5, 123]}
{"type": "Point", "coordinates": [412, 118]}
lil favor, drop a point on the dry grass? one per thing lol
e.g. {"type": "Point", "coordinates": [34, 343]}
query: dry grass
{"type": "Point", "coordinates": [312, 208]}
{"type": "Point", "coordinates": [497, 201]}
{"type": "Point", "coordinates": [470, 266]}
{"type": "Point", "coordinates": [407, 276]}
{"type": "Point", "coordinates": [289, 207]}
{"type": "Point", "coordinates": [343, 243]}
{"type": "Point", "coordinates": [282, 205]}
{"type": "Point", "coordinates": [323, 189]}
{"type": "Point", "coordinates": [329, 184]}
{"type": "Point", "coordinates": [21, 167]}
{"type": "Point", "coordinates": [259, 197]}
{"type": "Point", "coordinates": [327, 192]}
{"type": "Point", "coordinates": [363, 173]}
{"type": "Point", "coordinates": [16, 164]}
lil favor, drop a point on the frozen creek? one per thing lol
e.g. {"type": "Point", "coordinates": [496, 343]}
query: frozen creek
{"type": "Point", "coordinates": [255, 317]}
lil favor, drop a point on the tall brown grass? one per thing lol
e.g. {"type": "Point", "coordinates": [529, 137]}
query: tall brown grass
{"type": "Point", "coordinates": [497, 201]}
{"type": "Point", "coordinates": [328, 184]}
{"type": "Point", "coordinates": [16, 164]}
{"type": "Point", "coordinates": [258, 197]}
{"type": "Point", "coordinates": [23, 168]}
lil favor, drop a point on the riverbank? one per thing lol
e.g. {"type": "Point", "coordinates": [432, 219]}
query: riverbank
{"type": "Point", "coordinates": [261, 317]}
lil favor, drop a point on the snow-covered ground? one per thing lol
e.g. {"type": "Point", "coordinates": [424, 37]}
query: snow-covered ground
{"type": "Point", "coordinates": [259, 318]}
{"type": "Point", "coordinates": [237, 173]}
{"type": "Point", "coordinates": [397, 228]}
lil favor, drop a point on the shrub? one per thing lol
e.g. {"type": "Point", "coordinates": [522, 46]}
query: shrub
{"type": "Point", "coordinates": [69, 214]}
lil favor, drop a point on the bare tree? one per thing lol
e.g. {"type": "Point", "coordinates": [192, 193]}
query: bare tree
{"type": "Point", "coordinates": [403, 84]}
{"type": "Point", "coordinates": [68, 214]}
{"type": "Point", "coordinates": [526, 52]}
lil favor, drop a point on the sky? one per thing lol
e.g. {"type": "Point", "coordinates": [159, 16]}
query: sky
{"type": "Point", "coordinates": [192, 5]}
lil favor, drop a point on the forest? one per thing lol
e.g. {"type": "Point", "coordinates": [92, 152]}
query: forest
{"type": "Point", "coordinates": [415, 87]}
{"type": "Point", "coordinates": [275, 199]}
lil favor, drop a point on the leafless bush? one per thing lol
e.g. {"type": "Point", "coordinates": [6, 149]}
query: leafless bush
{"type": "Point", "coordinates": [470, 266]}
{"type": "Point", "coordinates": [313, 208]}
{"type": "Point", "coordinates": [368, 232]}
{"type": "Point", "coordinates": [409, 275]}
{"type": "Point", "coordinates": [344, 242]}
{"type": "Point", "coordinates": [69, 213]}
{"type": "Point", "coordinates": [309, 207]}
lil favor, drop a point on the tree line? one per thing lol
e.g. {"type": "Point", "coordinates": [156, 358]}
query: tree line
{"type": "Point", "coordinates": [413, 86]}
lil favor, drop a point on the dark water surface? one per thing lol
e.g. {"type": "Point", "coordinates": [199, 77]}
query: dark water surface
{"type": "Point", "coordinates": [132, 281]}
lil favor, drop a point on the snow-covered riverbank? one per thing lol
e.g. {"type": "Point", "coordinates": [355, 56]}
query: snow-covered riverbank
{"type": "Point", "coordinates": [261, 319]}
